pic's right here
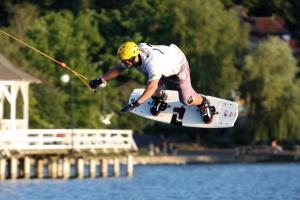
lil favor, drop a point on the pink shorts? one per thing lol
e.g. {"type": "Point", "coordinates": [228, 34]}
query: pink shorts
{"type": "Point", "coordinates": [183, 84]}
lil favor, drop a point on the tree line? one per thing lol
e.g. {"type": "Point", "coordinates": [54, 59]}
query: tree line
{"type": "Point", "coordinates": [86, 34]}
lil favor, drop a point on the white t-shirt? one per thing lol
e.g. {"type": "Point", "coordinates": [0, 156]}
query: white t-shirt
{"type": "Point", "coordinates": [160, 60]}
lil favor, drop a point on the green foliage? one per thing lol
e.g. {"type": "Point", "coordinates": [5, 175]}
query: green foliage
{"type": "Point", "coordinates": [288, 126]}
{"type": "Point", "coordinates": [269, 81]}
{"type": "Point", "coordinates": [74, 40]}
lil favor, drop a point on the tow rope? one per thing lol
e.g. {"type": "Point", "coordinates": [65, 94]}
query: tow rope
{"type": "Point", "coordinates": [83, 79]}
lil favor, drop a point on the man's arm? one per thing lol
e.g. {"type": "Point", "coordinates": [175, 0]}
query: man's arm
{"type": "Point", "coordinates": [149, 91]}
{"type": "Point", "coordinates": [115, 72]}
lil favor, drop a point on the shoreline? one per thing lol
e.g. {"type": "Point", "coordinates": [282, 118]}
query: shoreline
{"type": "Point", "coordinates": [215, 159]}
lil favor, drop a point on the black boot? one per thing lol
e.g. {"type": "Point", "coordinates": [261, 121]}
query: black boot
{"type": "Point", "coordinates": [205, 111]}
{"type": "Point", "coordinates": [158, 104]}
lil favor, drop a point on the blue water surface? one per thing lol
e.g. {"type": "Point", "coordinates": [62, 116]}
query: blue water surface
{"type": "Point", "coordinates": [164, 182]}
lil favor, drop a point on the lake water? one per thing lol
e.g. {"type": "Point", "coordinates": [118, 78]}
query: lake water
{"type": "Point", "coordinates": [164, 182]}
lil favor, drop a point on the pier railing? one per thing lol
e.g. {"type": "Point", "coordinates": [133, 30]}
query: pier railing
{"type": "Point", "coordinates": [62, 139]}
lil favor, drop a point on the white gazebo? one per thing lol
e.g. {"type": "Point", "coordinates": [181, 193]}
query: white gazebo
{"type": "Point", "coordinates": [14, 85]}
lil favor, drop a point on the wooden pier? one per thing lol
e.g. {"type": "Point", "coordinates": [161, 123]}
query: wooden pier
{"type": "Point", "coordinates": [64, 167]}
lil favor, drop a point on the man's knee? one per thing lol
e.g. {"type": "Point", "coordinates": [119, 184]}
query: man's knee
{"type": "Point", "coordinates": [187, 101]}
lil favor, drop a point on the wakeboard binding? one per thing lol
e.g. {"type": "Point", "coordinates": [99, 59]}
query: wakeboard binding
{"type": "Point", "coordinates": [207, 111]}
{"type": "Point", "coordinates": [158, 104]}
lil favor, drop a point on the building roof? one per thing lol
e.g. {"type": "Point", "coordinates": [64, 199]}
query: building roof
{"type": "Point", "coordinates": [8, 72]}
{"type": "Point", "coordinates": [263, 25]}
{"type": "Point", "coordinates": [266, 25]}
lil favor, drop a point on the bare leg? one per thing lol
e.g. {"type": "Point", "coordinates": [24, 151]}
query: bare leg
{"type": "Point", "coordinates": [197, 101]}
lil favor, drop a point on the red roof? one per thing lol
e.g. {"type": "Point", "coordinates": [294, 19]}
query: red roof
{"type": "Point", "coordinates": [265, 24]}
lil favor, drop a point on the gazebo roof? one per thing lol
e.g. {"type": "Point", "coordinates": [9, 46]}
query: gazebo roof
{"type": "Point", "coordinates": [8, 72]}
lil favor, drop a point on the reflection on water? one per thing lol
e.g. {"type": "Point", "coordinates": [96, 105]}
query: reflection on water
{"type": "Point", "coordinates": [191, 182]}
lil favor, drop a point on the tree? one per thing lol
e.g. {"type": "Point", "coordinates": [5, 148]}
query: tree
{"type": "Point", "coordinates": [269, 81]}
{"type": "Point", "coordinates": [73, 40]}
{"type": "Point", "coordinates": [212, 39]}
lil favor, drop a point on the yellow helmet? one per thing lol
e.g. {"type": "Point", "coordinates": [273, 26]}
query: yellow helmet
{"type": "Point", "coordinates": [128, 50]}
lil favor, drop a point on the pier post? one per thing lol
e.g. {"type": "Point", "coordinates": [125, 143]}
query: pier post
{"type": "Point", "coordinates": [27, 167]}
{"type": "Point", "coordinates": [49, 166]}
{"type": "Point", "coordinates": [13, 167]}
{"type": "Point", "coordinates": [104, 168]}
{"type": "Point", "coordinates": [60, 168]}
{"type": "Point", "coordinates": [66, 168]}
{"type": "Point", "coordinates": [93, 168]}
{"type": "Point", "coordinates": [116, 167]}
{"type": "Point", "coordinates": [80, 168]}
{"type": "Point", "coordinates": [129, 165]}
{"type": "Point", "coordinates": [2, 168]}
{"type": "Point", "coordinates": [54, 168]}
{"type": "Point", "coordinates": [40, 168]}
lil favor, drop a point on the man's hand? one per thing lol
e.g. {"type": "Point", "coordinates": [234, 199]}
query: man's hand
{"type": "Point", "coordinates": [130, 107]}
{"type": "Point", "coordinates": [96, 82]}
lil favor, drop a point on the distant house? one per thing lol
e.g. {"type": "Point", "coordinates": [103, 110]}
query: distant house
{"type": "Point", "coordinates": [264, 26]}
{"type": "Point", "coordinates": [14, 85]}
{"type": "Point", "coordinates": [261, 27]}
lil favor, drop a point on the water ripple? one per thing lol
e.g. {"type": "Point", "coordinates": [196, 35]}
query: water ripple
{"type": "Point", "coordinates": [163, 182]}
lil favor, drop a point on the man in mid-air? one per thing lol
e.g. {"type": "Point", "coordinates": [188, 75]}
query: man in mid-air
{"type": "Point", "coordinates": [161, 64]}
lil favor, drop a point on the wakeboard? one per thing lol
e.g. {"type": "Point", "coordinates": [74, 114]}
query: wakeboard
{"type": "Point", "coordinates": [174, 112]}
